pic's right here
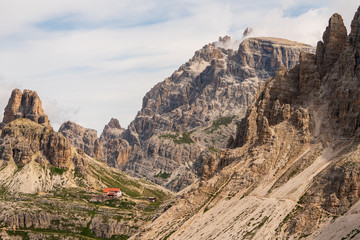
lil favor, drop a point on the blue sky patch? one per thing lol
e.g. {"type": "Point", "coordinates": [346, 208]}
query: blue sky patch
{"type": "Point", "coordinates": [62, 23]}
{"type": "Point", "coordinates": [71, 23]}
{"type": "Point", "coordinates": [152, 16]}
{"type": "Point", "coordinates": [300, 9]}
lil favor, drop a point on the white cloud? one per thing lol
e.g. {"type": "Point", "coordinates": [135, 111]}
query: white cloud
{"type": "Point", "coordinates": [58, 114]}
{"type": "Point", "coordinates": [103, 56]}
{"type": "Point", "coordinates": [300, 29]}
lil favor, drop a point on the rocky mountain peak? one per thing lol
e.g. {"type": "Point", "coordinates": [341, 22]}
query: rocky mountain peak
{"type": "Point", "coordinates": [274, 52]}
{"type": "Point", "coordinates": [217, 83]}
{"type": "Point", "coordinates": [224, 39]}
{"type": "Point", "coordinates": [296, 164]}
{"type": "Point", "coordinates": [82, 138]}
{"type": "Point", "coordinates": [115, 150]}
{"type": "Point", "coordinates": [112, 130]}
{"type": "Point", "coordinates": [206, 54]}
{"type": "Point", "coordinates": [226, 43]}
{"type": "Point", "coordinates": [334, 39]}
{"type": "Point", "coordinates": [335, 32]}
{"type": "Point", "coordinates": [114, 123]}
{"type": "Point", "coordinates": [354, 37]}
{"type": "Point", "coordinates": [25, 104]}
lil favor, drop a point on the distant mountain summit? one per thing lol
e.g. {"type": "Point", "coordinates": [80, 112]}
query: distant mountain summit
{"type": "Point", "coordinates": [25, 105]}
{"type": "Point", "coordinates": [215, 86]}
{"type": "Point", "coordinates": [215, 82]}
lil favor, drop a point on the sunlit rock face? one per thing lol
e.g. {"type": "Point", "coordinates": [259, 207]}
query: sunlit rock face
{"type": "Point", "coordinates": [217, 82]}
{"type": "Point", "coordinates": [25, 104]}
{"type": "Point", "coordinates": [293, 169]}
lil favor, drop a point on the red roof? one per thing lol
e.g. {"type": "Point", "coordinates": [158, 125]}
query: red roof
{"type": "Point", "coordinates": [106, 190]}
{"type": "Point", "coordinates": [111, 194]}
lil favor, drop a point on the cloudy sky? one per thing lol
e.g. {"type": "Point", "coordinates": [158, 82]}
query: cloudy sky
{"type": "Point", "coordinates": [92, 60]}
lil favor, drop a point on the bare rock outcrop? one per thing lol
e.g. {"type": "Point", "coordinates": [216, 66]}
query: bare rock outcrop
{"type": "Point", "coordinates": [58, 150]}
{"type": "Point", "coordinates": [21, 141]}
{"type": "Point", "coordinates": [25, 105]}
{"type": "Point", "coordinates": [216, 83]}
{"type": "Point", "coordinates": [110, 147]}
{"type": "Point", "coordinates": [112, 130]}
{"type": "Point", "coordinates": [82, 138]}
{"type": "Point", "coordinates": [293, 172]}
{"type": "Point", "coordinates": [166, 161]}
{"type": "Point", "coordinates": [334, 38]}
{"type": "Point", "coordinates": [111, 227]}
{"type": "Point", "coordinates": [116, 150]}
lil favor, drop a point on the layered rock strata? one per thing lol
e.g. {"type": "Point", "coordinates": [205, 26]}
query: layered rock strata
{"type": "Point", "coordinates": [116, 151]}
{"type": "Point", "coordinates": [109, 148]}
{"type": "Point", "coordinates": [21, 140]}
{"type": "Point", "coordinates": [294, 167]}
{"type": "Point", "coordinates": [194, 110]}
{"type": "Point", "coordinates": [216, 82]}
{"type": "Point", "coordinates": [216, 85]}
{"type": "Point", "coordinates": [25, 105]}
{"type": "Point", "coordinates": [82, 138]}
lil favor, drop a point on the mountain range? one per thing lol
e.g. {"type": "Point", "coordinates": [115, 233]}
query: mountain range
{"type": "Point", "coordinates": [192, 111]}
{"type": "Point", "coordinates": [256, 143]}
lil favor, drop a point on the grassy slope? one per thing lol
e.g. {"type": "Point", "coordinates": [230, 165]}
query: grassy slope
{"type": "Point", "coordinates": [72, 213]}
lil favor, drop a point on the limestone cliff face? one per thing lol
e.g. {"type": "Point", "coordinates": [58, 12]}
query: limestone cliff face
{"type": "Point", "coordinates": [30, 153]}
{"type": "Point", "coordinates": [196, 109]}
{"type": "Point", "coordinates": [109, 148]}
{"type": "Point", "coordinates": [25, 105]}
{"type": "Point", "coordinates": [116, 151]}
{"type": "Point", "coordinates": [82, 138]}
{"type": "Point", "coordinates": [293, 170]}
{"type": "Point", "coordinates": [21, 141]}
{"type": "Point", "coordinates": [329, 50]}
{"type": "Point", "coordinates": [216, 84]}
{"type": "Point", "coordinates": [112, 130]}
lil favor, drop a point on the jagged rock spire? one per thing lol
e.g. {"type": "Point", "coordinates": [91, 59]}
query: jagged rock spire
{"type": "Point", "coordinates": [354, 37]}
{"type": "Point", "coordinates": [25, 104]}
{"type": "Point", "coordinates": [334, 39]}
{"type": "Point", "coordinates": [114, 123]}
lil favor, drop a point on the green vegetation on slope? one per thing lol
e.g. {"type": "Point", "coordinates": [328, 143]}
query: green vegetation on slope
{"type": "Point", "coordinates": [73, 211]}
{"type": "Point", "coordinates": [184, 138]}
{"type": "Point", "coordinates": [164, 175]}
{"type": "Point", "coordinates": [213, 149]}
{"type": "Point", "coordinates": [131, 187]}
{"type": "Point", "coordinates": [57, 171]}
{"type": "Point", "coordinates": [223, 121]}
